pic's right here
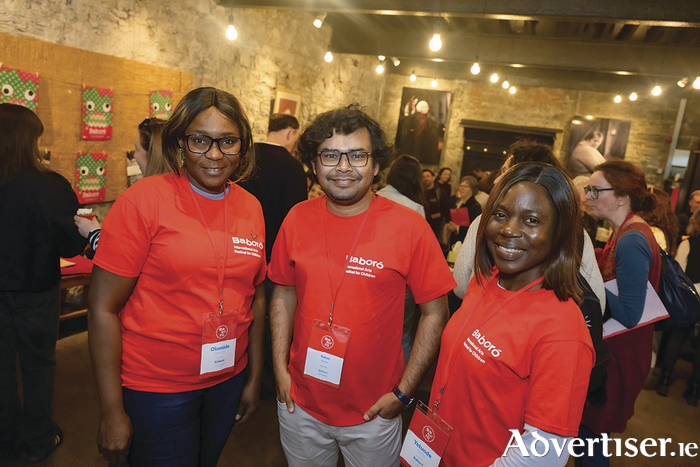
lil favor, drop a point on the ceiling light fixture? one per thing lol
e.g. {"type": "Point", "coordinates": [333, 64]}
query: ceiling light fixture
{"type": "Point", "coordinates": [589, 117]}
{"type": "Point", "coordinates": [413, 76]}
{"type": "Point", "coordinates": [476, 68]}
{"type": "Point", "coordinates": [433, 83]}
{"type": "Point", "coordinates": [231, 33]}
{"type": "Point", "coordinates": [381, 57]}
{"type": "Point", "coordinates": [633, 96]}
{"type": "Point", "coordinates": [618, 99]}
{"type": "Point", "coordinates": [656, 91]}
{"type": "Point", "coordinates": [380, 69]}
{"type": "Point", "coordinates": [505, 84]}
{"type": "Point", "coordinates": [318, 22]}
{"type": "Point", "coordinates": [328, 57]}
{"type": "Point", "coordinates": [435, 43]}
{"type": "Point", "coordinates": [682, 82]}
{"type": "Point", "coordinates": [494, 78]}
{"type": "Point", "coordinates": [512, 90]}
{"type": "Point", "coordinates": [696, 83]}
{"type": "Point", "coordinates": [395, 61]}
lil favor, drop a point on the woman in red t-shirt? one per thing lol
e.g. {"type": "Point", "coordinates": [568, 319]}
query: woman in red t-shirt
{"type": "Point", "coordinates": [176, 306]}
{"type": "Point", "coordinates": [515, 359]}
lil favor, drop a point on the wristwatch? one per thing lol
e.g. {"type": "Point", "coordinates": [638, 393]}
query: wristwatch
{"type": "Point", "coordinates": [402, 397]}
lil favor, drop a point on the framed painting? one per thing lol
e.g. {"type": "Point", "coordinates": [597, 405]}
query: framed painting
{"type": "Point", "coordinates": [287, 102]}
{"type": "Point", "coordinates": [593, 141]}
{"type": "Point", "coordinates": [422, 122]}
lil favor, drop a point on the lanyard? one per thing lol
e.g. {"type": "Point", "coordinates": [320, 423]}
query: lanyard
{"type": "Point", "coordinates": [219, 271]}
{"type": "Point", "coordinates": [347, 257]}
{"type": "Point", "coordinates": [451, 358]}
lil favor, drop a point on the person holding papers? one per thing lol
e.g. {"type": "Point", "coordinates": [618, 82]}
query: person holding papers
{"type": "Point", "coordinates": [464, 208]}
{"type": "Point", "coordinates": [616, 192]}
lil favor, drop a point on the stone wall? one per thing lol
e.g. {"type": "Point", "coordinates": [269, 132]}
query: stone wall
{"type": "Point", "coordinates": [653, 119]}
{"type": "Point", "coordinates": [275, 49]}
{"type": "Point", "coordinates": [281, 49]}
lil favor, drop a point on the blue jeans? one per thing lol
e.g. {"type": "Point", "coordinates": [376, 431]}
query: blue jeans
{"type": "Point", "coordinates": [184, 428]}
{"type": "Point", "coordinates": [28, 328]}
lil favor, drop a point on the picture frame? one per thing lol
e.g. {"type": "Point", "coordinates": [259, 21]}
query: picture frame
{"type": "Point", "coordinates": [288, 102]}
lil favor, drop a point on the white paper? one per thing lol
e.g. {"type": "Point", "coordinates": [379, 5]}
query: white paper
{"type": "Point", "coordinates": [417, 453]}
{"type": "Point", "coordinates": [654, 310]}
{"type": "Point", "coordinates": [323, 366]}
{"type": "Point", "coordinates": [217, 356]}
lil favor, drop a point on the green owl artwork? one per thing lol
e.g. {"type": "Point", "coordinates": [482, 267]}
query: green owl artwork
{"type": "Point", "coordinates": [97, 113]}
{"type": "Point", "coordinates": [161, 104]}
{"type": "Point", "coordinates": [19, 87]}
{"type": "Point", "coordinates": [90, 176]}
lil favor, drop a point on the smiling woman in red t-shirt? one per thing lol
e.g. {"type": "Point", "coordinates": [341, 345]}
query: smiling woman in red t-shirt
{"type": "Point", "coordinates": [176, 307]}
{"type": "Point", "coordinates": [517, 355]}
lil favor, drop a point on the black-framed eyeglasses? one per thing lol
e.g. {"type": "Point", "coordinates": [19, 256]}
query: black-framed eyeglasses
{"type": "Point", "coordinates": [332, 158]}
{"type": "Point", "coordinates": [200, 144]}
{"type": "Point", "coordinates": [595, 191]}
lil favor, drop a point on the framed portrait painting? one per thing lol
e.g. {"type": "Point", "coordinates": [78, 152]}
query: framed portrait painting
{"type": "Point", "coordinates": [595, 140]}
{"type": "Point", "coordinates": [287, 102]}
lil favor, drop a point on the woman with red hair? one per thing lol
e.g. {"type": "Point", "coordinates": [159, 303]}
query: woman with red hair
{"type": "Point", "coordinates": [617, 190]}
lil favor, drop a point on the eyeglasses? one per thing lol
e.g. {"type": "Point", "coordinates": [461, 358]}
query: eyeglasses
{"type": "Point", "coordinates": [331, 158]}
{"type": "Point", "coordinates": [200, 144]}
{"type": "Point", "coordinates": [595, 191]}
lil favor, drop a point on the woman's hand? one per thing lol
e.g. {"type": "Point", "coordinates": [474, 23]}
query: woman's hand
{"type": "Point", "coordinates": [250, 399]}
{"type": "Point", "coordinates": [114, 437]}
{"type": "Point", "coordinates": [85, 225]}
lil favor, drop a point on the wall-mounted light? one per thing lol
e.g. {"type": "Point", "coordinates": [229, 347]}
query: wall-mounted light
{"type": "Point", "coordinates": [475, 68]}
{"type": "Point", "coordinates": [682, 82]}
{"type": "Point", "coordinates": [231, 33]}
{"type": "Point", "coordinates": [395, 61]}
{"type": "Point", "coordinates": [433, 83]}
{"type": "Point", "coordinates": [318, 22]}
{"type": "Point", "coordinates": [618, 99]}
{"type": "Point", "coordinates": [633, 96]}
{"type": "Point", "coordinates": [328, 57]}
{"type": "Point", "coordinates": [656, 91]}
{"type": "Point", "coordinates": [413, 76]}
{"type": "Point", "coordinates": [494, 78]}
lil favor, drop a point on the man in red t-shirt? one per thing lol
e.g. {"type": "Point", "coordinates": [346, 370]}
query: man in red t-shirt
{"type": "Point", "coordinates": [341, 264]}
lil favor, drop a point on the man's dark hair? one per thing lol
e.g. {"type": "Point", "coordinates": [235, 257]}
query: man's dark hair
{"type": "Point", "coordinates": [279, 122]}
{"type": "Point", "coordinates": [345, 121]}
{"type": "Point", "coordinates": [405, 176]}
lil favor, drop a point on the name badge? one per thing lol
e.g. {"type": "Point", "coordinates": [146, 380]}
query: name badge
{"type": "Point", "coordinates": [218, 343]}
{"type": "Point", "coordinates": [426, 439]}
{"type": "Point", "coordinates": [326, 353]}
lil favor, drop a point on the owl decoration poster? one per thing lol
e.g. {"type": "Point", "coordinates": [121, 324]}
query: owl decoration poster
{"type": "Point", "coordinates": [19, 87]}
{"type": "Point", "coordinates": [97, 113]}
{"type": "Point", "coordinates": [91, 169]}
{"type": "Point", "coordinates": [161, 104]}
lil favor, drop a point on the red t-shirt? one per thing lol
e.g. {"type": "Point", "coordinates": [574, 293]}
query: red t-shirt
{"type": "Point", "coordinates": [529, 362]}
{"type": "Point", "coordinates": [155, 232]}
{"type": "Point", "coordinates": [396, 247]}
